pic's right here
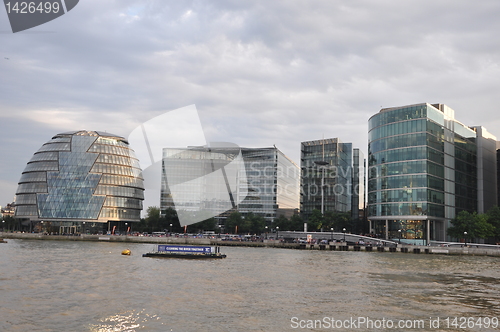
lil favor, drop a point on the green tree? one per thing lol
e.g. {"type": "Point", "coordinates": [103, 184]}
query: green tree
{"type": "Point", "coordinates": [234, 222]}
{"type": "Point", "coordinates": [256, 223]}
{"type": "Point", "coordinates": [170, 216]}
{"type": "Point", "coordinates": [141, 226]}
{"type": "Point", "coordinates": [296, 223]}
{"type": "Point", "coordinates": [283, 223]}
{"type": "Point", "coordinates": [315, 221]}
{"type": "Point", "coordinates": [494, 219]}
{"type": "Point", "coordinates": [341, 220]}
{"type": "Point", "coordinates": [476, 226]}
{"type": "Point", "coordinates": [463, 222]}
{"type": "Point", "coordinates": [205, 225]}
{"type": "Point", "coordinates": [9, 224]}
{"type": "Point", "coordinates": [153, 218]}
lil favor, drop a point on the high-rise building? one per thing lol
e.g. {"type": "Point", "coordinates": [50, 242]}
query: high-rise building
{"type": "Point", "coordinates": [204, 182]}
{"type": "Point", "coordinates": [332, 177]}
{"type": "Point", "coordinates": [81, 181]}
{"type": "Point", "coordinates": [424, 167]}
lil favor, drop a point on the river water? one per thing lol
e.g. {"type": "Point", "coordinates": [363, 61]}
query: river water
{"type": "Point", "coordinates": [89, 286]}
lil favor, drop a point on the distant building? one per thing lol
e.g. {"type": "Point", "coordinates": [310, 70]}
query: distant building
{"type": "Point", "coordinates": [81, 181]}
{"type": "Point", "coordinates": [204, 182]}
{"type": "Point", "coordinates": [338, 169]}
{"type": "Point", "coordinates": [424, 167]}
{"type": "Point", "coordinates": [7, 210]}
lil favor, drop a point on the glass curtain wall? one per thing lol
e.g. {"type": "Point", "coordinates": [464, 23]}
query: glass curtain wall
{"type": "Point", "coordinates": [78, 177]}
{"type": "Point", "coordinates": [270, 182]}
{"type": "Point", "coordinates": [421, 168]}
{"type": "Point", "coordinates": [327, 176]}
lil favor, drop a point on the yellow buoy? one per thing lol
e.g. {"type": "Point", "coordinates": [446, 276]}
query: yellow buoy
{"type": "Point", "coordinates": [126, 252]}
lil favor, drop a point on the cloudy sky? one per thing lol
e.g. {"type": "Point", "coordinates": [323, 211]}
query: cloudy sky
{"type": "Point", "coordinates": [259, 72]}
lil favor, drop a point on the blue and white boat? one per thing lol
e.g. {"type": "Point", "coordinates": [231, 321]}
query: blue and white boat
{"type": "Point", "coordinates": [189, 252]}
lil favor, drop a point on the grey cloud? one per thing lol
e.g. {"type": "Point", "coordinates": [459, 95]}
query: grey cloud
{"type": "Point", "coordinates": [260, 73]}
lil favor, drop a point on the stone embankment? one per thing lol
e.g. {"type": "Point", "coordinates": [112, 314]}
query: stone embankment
{"type": "Point", "coordinates": [332, 246]}
{"type": "Point", "coordinates": [343, 246]}
{"type": "Point", "coordinates": [108, 238]}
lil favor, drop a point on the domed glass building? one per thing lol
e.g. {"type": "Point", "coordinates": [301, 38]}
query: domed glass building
{"type": "Point", "coordinates": [81, 181]}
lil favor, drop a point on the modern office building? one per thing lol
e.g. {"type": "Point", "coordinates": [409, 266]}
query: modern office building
{"type": "Point", "coordinates": [332, 177]}
{"type": "Point", "coordinates": [204, 182]}
{"type": "Point", "coordinates": [424, 167]}
{"type": "Point", "coordinates": [81, 181]}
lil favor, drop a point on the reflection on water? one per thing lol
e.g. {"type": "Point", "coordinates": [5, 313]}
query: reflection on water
{"type": "Point", "coordinates": [85, 286]}
{"type": "Point", "coordinates": [125, 322]}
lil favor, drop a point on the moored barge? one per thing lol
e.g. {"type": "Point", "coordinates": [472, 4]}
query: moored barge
{"type": "Point", "coordinates": [188, 252]}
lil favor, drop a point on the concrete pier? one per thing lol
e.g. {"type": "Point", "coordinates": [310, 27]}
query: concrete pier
{"type": "Point", "coordinates": [403, 249]}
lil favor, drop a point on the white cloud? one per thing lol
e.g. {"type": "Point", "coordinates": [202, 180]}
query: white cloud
{"type": "Point", "coordinates": [259, 73]}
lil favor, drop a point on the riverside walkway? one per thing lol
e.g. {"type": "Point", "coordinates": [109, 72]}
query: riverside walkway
{"type": "Point", "coordinates": [378, 245]}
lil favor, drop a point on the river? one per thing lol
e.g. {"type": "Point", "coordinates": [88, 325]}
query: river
{"type": "Point", "coordinates": [90, 286]}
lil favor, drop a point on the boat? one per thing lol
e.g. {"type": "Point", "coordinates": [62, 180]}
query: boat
{"type": "Point", "coordinates": [3, 241]}
{"type": "Point", "coordinates": [189, 252]}
{"type": "Point", "coordinates": [126, 252]}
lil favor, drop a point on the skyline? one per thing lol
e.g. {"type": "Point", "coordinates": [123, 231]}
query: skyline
{"type": "Point", "coordinates": [259, 74]}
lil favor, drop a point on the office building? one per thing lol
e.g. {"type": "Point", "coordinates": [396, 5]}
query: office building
{"type": "Point", "coordinates": [204, 182]}
{"type": "Point", "coordinates": [81, 181]}
{"type": "Point", "coordinates": [424, 167]}
{"type": "Point", "coordinates": [332, 178]}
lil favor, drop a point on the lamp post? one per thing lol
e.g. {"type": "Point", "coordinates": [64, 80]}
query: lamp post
{"type": "Point", "coordinates": [126, 228]}
{"type": "Point", "coordinates": [3, 225]}
{"type": "Point", "coordinates": [266, 232]}
{"type": "Point", "coordinates": [465, 238]}
{"type": "Point", "coordinates": [399, 231]}
{"type": "Point", "coordinates": [277, 232]}
{"type": "Point", "coordinates": [331, 229]}
{"type": "Point", "coordinates": [171, 229]}
{"type": "Point", "coordinates": [41, 226]}
{"type": "Point", "coordinates": [343, 230]}
{"type": "Point", "coordinates": [83, 227]}
{"type": "Point", "coordinates": [220, 230]}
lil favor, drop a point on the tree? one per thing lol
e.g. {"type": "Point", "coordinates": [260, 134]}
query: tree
{"type": "Point", "coordinates": [476, 226]}
{"type": "Point", "coordinates": [10, 223]}
{"type": "Point", "coordinates": [234, 222]}
{"type": "Point", "coordinates": [153, 218]}
{"type": "Point", "coordinates": [255, 223]}
{"type": "Point", "coordinates": [283, 223]}
{"type": "Point", "coordinates": [170, 218]}
{"type": "Point", "coordinates": [463, 222]}
{"type": "Point", "coordinates": [339, 221]}
{"type": "Point", "coordinates": [205, 225]}
{"type": "Point", "coordinates": [493, 215]}
{"type": "Point", "coordinates": [296, 223]}
{"type": "Point", "coordinates": [315, 221]}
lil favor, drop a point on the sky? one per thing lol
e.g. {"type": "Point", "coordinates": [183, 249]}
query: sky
{"type": "Point", "coordinates": [260, 73]}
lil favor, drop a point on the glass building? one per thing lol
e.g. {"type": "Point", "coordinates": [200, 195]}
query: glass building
{"type": "Point", "coordinates": [338, 169]}
{"type": "Point", "coordinates": [204, 182]}
{"type": "Point", "coordinates": [423, 168]}
{"type": "Point", "coordinates": [81, 181]}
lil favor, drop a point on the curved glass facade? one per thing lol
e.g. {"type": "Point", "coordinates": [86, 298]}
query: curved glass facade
{"type": "Point", "coordinates": [421, 170]}
{"type": "Point", "coordinates": [81, 176]}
